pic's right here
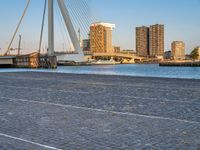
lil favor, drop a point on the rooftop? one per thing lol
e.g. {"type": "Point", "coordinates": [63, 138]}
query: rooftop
{"type": "Point", "coordinates": [110, 25]}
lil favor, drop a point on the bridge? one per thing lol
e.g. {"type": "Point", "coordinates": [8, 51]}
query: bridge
{"type": "Point", "coordinates": [67, 21]}
{"type": "Point", "coordinates": [119, 55]}
{"type": "Point", "coordinates": [77, 56]}
{"type": "Point", "coordinates": [122, 57]}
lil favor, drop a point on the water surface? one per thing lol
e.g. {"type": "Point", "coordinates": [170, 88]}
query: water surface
{"type": "Point", "coordinates": [150, 70]}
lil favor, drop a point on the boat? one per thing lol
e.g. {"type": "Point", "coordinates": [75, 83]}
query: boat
{"type": "Point", "coordinates": [105, 62]}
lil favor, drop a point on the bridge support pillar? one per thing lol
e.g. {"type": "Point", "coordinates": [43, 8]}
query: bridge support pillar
{"type": "Point", "coordinates": [51, 58]}
{"type": "Point", "coordinates": [50, 28]}
{"type": "Point", "coordinates": [71, 30]}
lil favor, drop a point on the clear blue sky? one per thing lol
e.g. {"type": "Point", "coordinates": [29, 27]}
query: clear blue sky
{"type": "Point", "coordinates": [180, 17]}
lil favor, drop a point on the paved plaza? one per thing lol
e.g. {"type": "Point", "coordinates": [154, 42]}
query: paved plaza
{"type": "Point", "coordinates": [50, 111]}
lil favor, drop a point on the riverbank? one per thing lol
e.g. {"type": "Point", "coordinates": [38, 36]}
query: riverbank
{"type": "Point", "coordinates": [181, 64]}
{"type": "Point", "coordinates": [71, 111]}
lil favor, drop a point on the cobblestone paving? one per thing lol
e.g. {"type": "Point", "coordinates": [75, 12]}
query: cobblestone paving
{"type": "Point", "coordinates": [65, 111]}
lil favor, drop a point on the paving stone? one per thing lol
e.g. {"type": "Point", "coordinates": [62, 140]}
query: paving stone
{"type": "Point", "coordinates": [69, 111]}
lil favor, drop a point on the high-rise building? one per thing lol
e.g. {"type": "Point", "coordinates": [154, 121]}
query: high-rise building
{"type": "Point", "coordinates": [178, 50]}
{"type": "Point", "coordinates": [101, 37]}
{"type": "Point", "coordinates": [142, 41]}
{"type": "Point", "coordinates": [150, 40]}
{"type": "Point", "coordinates": [156, 40]}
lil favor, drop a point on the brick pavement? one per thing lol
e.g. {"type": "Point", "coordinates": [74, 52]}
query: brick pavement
{"type": "Point", "coordinates": [65, 111]}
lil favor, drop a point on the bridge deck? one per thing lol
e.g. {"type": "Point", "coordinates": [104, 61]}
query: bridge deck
{"type": "Point", "coordinates": [64, 111]}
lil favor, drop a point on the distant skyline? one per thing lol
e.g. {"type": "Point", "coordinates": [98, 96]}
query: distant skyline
{"type": "Point", "coordinates": [180, 17]}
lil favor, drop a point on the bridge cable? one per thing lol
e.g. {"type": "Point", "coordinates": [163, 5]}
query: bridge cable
{"type": "Point", "coordinates": [73, 15]}
{"type": "Point", "coordinates": [82, 16]}
{"type": "Point", "coordinates": [80, 12]}
{"type": "Point", "coordinates": [42, 28]}
{"type": "Point", "coordinates": [25, 10]}
{"type": "Point", "coordinates": [61, 23]}
{"type": "Point", "coordinates": [85, 9]}
{"type": "Point", "coordinates": [88, 17]}
{"type": "Point", "coordinates": [77, 16]}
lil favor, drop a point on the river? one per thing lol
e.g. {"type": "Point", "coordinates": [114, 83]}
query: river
{"type": "Point", "coordinates": [143, 70]}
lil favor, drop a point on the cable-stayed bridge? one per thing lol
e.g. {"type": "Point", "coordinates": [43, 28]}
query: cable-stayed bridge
{"type": "Point", "coordinates": [73, 18]}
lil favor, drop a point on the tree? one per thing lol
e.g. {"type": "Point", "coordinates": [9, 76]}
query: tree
{"type": "Point", "coordinates": [195, 54]}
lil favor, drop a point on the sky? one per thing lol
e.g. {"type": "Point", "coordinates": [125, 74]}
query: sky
{"type": "Point", "coordinates": [180, 17]}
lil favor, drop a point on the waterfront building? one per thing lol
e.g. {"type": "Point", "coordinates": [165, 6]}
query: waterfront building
{"type": "Point", "coordinates": [178, 50]}
{"type": "Point", "coordinates": [142, 41]}
{"type": "Point", "coordinates": [150, 41]}
{"type": "Point", "coordinates": [101, 37]}
{"type": "Point", "coordinates": [156, 40]}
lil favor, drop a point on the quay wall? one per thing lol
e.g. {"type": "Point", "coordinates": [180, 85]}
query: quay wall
{"type": "Point", "coordinates": [180, 64]}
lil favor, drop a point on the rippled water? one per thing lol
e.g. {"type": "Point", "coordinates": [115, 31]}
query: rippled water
{"type": "Point", "coordinates": [128, 70]}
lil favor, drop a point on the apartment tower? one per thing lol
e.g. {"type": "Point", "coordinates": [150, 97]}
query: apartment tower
{"type": "Point", "coordinates": [156, 40]}
{"type": "Point", "coordinates": [142, 41]}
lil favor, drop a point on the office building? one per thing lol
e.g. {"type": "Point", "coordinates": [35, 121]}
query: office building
{"type": "Point", "coordinates": [101, 37]}
{"type": "Point", "coordinates": [178, 50]}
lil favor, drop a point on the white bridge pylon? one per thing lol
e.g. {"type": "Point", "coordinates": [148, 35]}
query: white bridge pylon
{"type": "Point", "coordinates": [79, 55]}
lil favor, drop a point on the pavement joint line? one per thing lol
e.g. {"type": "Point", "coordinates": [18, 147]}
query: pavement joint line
{"type": "Point", "coordinates": [132, 86]}
{"type": "Point", "coordinates": [102, 110]}
{"type": "Point", "coordinates": [42, 89]}
{"type": "Point", "coordinates": [78, 92]}
{"type": "Point", "coordinates": [30, 142]}
{"type": "Point", "coordinates": [163, 100]}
